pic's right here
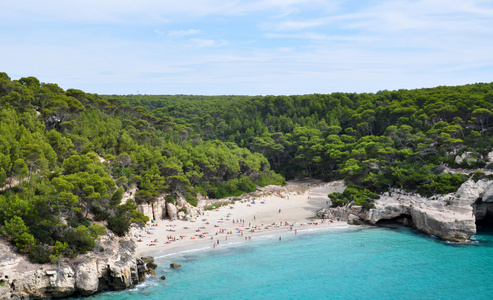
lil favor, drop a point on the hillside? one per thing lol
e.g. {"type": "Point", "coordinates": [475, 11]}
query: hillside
{"type": "Point", "coordinates": [68, 157]}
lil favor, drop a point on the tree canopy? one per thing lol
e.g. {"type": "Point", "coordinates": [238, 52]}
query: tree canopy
{"type": "Point", "coordinates": [67, 157]}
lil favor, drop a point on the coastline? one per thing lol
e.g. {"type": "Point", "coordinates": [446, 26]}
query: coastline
{"type": "Point", "coordinates": [287, 210]}
{"type": "Point", "coordinates": [206, 245]}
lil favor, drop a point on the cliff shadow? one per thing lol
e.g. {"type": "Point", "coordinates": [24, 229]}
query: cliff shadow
{"type": "Point", "coordinates": [394, 223]}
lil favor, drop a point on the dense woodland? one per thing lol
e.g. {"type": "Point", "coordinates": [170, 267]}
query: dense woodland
{"type": "Point", "coordinates": [67, 157]}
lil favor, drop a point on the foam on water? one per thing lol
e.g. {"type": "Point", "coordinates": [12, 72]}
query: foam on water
{"type": "Point", "coordinates": [371, 263]}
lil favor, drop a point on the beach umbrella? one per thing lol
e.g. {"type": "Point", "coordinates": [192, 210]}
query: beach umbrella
{"type": "Point", "coordinates": [213, 207]}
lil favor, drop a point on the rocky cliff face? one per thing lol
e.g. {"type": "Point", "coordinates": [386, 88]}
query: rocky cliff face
{"type": "Point", "coordinates": [159, 209]}
{"type": "Point", "coordinates": [450, 217]}
{"type": "Point", "coordinates": [447, 217]}
{"type": "Point", "coordinates": [117, 267]}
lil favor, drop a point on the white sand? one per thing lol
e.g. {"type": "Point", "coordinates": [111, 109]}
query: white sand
{"type": "Point", "coordinates": [291, 210]}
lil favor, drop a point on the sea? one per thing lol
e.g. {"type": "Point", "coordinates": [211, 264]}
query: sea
{"type": "Point", "coordinates": [348, 262]}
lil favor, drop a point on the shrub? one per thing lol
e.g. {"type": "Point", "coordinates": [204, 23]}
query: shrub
{"type": "Point", "coordinates": [119, 224]}
{"type": "Point", "coordinates": [97, 230]}
{"type": "Point", "coordinates": [39, 254]}
{"type": "Point", "coordinates": [363, 197]}
{"type": "Point", "coordinates": [80, 238]}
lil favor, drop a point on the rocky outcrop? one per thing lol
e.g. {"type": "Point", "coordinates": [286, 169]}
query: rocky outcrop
{"type": "Point", "coordinates": [155, 210]}
{"type": "Point", "coordinates": [487, 195]}
{"type": "Point", "coordinates": [175, 266]}
{"type": "Point", "coordinates": [159, 208]}
{"type": "Point", "coordinates": [117, 267]}
{"type": "Point", "coordinates": [87, 279]}
{"type": "Point", "coordinates": [450, 217]}
{"type": "Point", "coordinates": [146, 209]}
{"type": "Point", "coordinates": [354, 220]}
{"type": "Point", "coordinates": [468, 158]}
{"type": "Point", "coordinates": [483, 206]}
{"type": "Point", "coordinates": [340, 213]}
{"type": "Point", "coordinates": [171, 210]}
{"type": "Point", "coordinates": [191, 212]}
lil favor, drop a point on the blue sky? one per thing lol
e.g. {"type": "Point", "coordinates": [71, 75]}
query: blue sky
{"type": "Point", "coordinates": [266, 47]}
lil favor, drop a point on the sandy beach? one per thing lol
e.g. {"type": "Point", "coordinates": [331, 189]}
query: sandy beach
{"type": "Point", "coordinates": [290, 209]}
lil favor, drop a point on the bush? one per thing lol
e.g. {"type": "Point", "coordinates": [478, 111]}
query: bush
{"type": "Point", "coordinates": [171, 198]}
{"type": "Point", "coordinates": [270, 177]}
{"type": "Point", "coordinates": [119, 225]}
{"type": "Point", "coordinates": [25, 242]}
{"type": "Point", "coordinates": [191, 199]}
{"type": "Point", "coordinates": [363, 197]}
{"type": "Point", "coordinates": [39, 254]}
{"type": "Point", "coordinates": [477, 175]}
{"type": "Point", "coordinates": [58, 251]}
{"type": "Point", "coordinates": [126, 214]}
{"type": "Point", "coordinates": [100, 214]}
{"type": "Point", "coordinates": [97, 230]}
{"type": "Point", "coordinates": [80, 238]}
{"type": "Point", "coordinates": [444, 184]}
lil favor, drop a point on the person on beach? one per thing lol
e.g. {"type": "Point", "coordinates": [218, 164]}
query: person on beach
{"type": "Point", "coordinates": [279, 210]}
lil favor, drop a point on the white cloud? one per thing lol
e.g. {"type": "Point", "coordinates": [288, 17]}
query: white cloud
{"type": "Point", "coordinates": [143, 11]}
{"type": "Point", "coordinates": [180, 33]}
{"type": "Point", "coordinates": [203, 43]}
{"type": "Point", "coordinates": [303, 35]}
{"type": "Point", "coordinates": [298, 25]}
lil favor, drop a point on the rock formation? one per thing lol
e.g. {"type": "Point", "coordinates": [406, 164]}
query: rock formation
{"type": "Point", "coordinates": [175, 265]}
{"type": "Point", "coordinates": [171, 210]}
{"type": "Point", "coordinates": [115, 268]}
{"type": "Point", "coordinates": [450, 217]}
{"type": "Point", "coordinates": [468, 157]}
{"type": "Point", "coordinates": [159, 208]}
{"type": "Point", "coordinates": [155, 210]}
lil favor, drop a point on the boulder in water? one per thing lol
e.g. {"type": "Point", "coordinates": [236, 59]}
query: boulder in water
{"type": "Point", "coordinates": [175, 266]}
{"type": "Point", "coordinates": [147, 259]}
{"type": "Point", "coordinates": [151, 265]}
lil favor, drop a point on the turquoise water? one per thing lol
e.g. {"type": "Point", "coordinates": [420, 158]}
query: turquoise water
{"type": "Point", "coordinates": [371, 263]}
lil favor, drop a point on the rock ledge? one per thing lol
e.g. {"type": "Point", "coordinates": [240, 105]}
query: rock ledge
{"type": "Point", "coordinates": [118, 267]}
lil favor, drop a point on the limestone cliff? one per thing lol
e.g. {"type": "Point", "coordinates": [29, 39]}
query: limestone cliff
{"type": "Point", "coordinates": [117, 267]}
{"type": "Point", "coordinates": [450, 217]}
{"type": "Point", "coordinates": [159, 209]}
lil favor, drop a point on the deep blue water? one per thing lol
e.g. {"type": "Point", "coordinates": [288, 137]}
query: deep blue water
{"type": "Point", "coordinates": [370, 263]}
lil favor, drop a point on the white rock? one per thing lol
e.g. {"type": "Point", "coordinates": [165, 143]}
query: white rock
{"type": "Point", "coordinates": [87, 280]}
{"type": "Point", "coordinates": [171, 210]}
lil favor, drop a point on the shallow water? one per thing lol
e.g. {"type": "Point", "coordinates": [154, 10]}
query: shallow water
{"type": "Point", "coordinates": [369, 263]}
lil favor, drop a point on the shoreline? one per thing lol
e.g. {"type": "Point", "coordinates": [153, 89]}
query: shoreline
{"type": "Point", "coordinates": [284, 210]}
{"type": "Point", "coordinates": [238, 241]}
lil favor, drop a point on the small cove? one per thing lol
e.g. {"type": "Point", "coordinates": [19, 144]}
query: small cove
{"type": "Point", "coordinates": [367, 263]}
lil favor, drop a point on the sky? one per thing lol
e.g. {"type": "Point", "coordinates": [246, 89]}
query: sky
{"type": "Point", "coordinates": [254, 47]}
